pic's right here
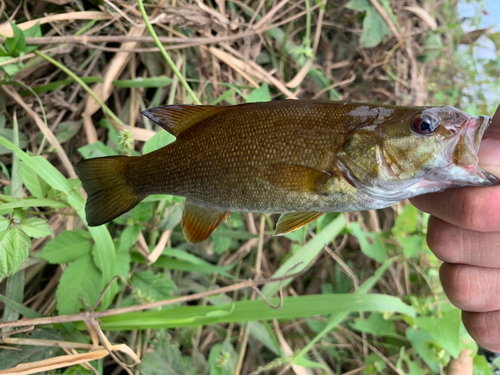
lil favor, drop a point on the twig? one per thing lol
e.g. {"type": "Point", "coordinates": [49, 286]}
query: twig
{"type": "Point", "coordinates": [389, 22]}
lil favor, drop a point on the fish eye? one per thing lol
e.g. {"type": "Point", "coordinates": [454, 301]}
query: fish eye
{"type": "Point", "coordinates": [425, 125]}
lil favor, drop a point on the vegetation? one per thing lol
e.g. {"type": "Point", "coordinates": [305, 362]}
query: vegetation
{"type": "Point", "coordinates": [133, 296]}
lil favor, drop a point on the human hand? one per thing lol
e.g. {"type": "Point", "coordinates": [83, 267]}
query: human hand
{"type": "Point", "coordinates": [464, 232]}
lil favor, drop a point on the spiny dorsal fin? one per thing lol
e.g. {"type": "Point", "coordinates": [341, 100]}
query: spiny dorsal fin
{"type": "Point", "coordinates": [289, 222]}
{"type": "Point", "coordinates": [297, 178]}
{"type": "Point", "coordinates": [177, 118]}
{"type": "Point", "coordinates": [199, 222]}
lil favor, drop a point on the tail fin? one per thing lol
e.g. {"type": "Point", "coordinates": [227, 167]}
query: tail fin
{"type": "Point", "coordinates": [109, 193]}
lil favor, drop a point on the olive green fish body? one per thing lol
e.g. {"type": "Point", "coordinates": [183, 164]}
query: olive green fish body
{"type": "Point", "coordinates": [301, 158]}
{"type": "Point", "coordinates": [248, 158]}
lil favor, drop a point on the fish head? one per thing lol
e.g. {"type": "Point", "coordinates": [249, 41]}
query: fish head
{"type": "Point", "coordinates": [416, 151]}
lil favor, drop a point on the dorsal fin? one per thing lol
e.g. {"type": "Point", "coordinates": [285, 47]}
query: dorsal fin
{"type": "Point", "coordinates": [177, 118]}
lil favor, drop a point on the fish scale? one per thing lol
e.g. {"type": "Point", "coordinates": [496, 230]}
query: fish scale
{"type": "Point", "coordinates": [301, 158]}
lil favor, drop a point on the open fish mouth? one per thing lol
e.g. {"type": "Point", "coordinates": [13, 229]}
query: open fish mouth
{"type": "Point", "coordinates": [476, 127]}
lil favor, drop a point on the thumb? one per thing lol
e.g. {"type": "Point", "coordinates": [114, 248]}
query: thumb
{"type": "Point", "coordinates": [489, 151]}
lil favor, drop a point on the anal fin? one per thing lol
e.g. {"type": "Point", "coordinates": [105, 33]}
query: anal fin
{"type": "Point", "coordinates": [289, 222]}
{"type": "Point", "coordinates": [199, 222]}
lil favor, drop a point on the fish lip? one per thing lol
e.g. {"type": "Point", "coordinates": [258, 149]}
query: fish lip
{"type": "Point", "coordinates": [476, 126]}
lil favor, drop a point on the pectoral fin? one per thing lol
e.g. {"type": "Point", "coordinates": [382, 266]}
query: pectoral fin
{"type": "Point", "coordinates": [199, 222]}
{"type": "Point", "coordinates": [297, 177]}
{"type": "Point", "coordinates": [289, 222]}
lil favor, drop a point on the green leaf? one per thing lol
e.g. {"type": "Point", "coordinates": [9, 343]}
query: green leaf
{"type": "Point", "coordinates": [67, 130]}
{"type": "Point", "coordinates": [142, 212]}
{"type": "Point", "coordinates": [445, 331]}
{"type": "Point", "coordinates": [433, 47]}
{"type": "Point", "coordinates": [179, 265]}
{"type": "Point", "coordinates": [359, 5]}
{"type": "Point", "coordinates": [248, 310]}
{"type": "Point", "coordinates": [261, 94]}
{"type": "Point", "coordinates": [335, 319]}
{"type": "Point", "coordinates": [374, 364]}
{"type": "Point", "coordinates": [374, 26]}
{"type": "Point", "coordinates": [371, 243]}
{"type": "Point", "coordinates": [374, 29]}
{"type": "Point", "coordinates": [16, 44]}
{"type": "Point", "coordinates": [32, 202]}
{"type": "Point", "coordinates": [407, 366]}
{"type": "Point", "coordinates": [4, 223]}
{"type": "Point", "coordinates": [427, 348]}
{"type": "Point", "coordinates": [37, 186]}
{"type": "Point", "coordinates": [57, 84]}
{"type": "Point", "coordinates": [14, 248]}
{"type": "Point", "coordinates": [9, 135]}
{"type": "Point", "coordinates": [221, 244]}
{"type": "Point", "coordinates": [157, 141]}
{"type": "Point", "coordinates": [49, 173]}
{"type": "Point", "coordinates": [166, 359]}
{"type": "Point", "coordinates": [11, 69]}
{"type": "Point", "coordinates": [305, 255]}
{"type": "Point", "coordinates": [34, 31]}
{"type": "Point", "coordinates": [152, 82]}
{"type": "Point", "coordinates": [155, 286]}
{"type": "Point", "coordinates": [222, 359]}
{"type": "Point", "coordinates": [35, 227]}
{"type": "Point", "coordinates": [482, 366]}
{"type": "Point", "coordinates": [67, 247]}
{"type": "Point", "coordinates": [19, 308]}
{"type": "Point", "coordinates": [129, 237]}
{"type": "Point", "coordinates": [406, 222]}
{"type": "Point", "coordinates": [104, 255]}
{"type": "Point", "coordinates": [376, 325]}
{"type": "Point", "coordinates": [81, 279]}
{"type": "Point", "coordinates": [95, 150]}
{"type": "Point", "coordinates": [31, 353]}
{"type": "Point", "coordinates": [412, 245]}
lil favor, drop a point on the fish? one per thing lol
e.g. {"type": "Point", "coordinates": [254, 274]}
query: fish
{"type": "Point", "coordinates": [299, 158]}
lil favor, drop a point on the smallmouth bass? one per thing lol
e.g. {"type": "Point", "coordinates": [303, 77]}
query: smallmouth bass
{"type": "Point", "coordinates": [300, 158]}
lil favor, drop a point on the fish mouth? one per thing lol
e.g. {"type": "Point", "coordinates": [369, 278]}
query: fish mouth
{"type": "Point", "coordinates": [464, 169]}
{"type": "Point", "coordinates": [476, 127]}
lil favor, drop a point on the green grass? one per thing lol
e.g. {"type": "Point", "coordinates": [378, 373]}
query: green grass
{"type": "Point", "coordinates": [360, 292]}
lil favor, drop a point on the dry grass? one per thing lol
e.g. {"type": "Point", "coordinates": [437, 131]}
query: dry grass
{"type": "Point", "coordinates": [214, 44]}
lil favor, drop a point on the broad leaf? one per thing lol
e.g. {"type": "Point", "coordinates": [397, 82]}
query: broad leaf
{"type": "Point", "coordinates": [35, 227]}
{"type": "Point", "coordinates": [67, 247]}
{"type": "Point", "coordinates": [81, 279]}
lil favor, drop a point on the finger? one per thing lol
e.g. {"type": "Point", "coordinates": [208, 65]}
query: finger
{"type": "Point", "coordinates": [484, 328]}
{"type": "Point", "coordinates": [471, 288]}
{"type": "Point", "coordinates": [489, 150]}
{"type": "Point", "coordinates": [473, 208]}
{"type": "Point", "coordinates": [453, 244]}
